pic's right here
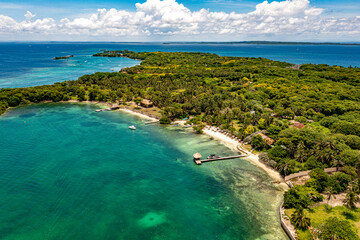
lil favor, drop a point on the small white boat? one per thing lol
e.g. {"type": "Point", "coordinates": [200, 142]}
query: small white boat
{"type": "Point", "coordinates": [132, 127]}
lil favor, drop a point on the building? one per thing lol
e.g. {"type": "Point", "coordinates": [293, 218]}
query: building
{"type": "Point", "coordinates": [296, 124]}
{"type": "Point", "coordinates": [197, 156]}
{"type": "Point", "coordinates": [268, 140]}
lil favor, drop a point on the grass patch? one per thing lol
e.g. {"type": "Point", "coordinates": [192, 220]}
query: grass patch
{"type": "Point", "coordinates": [319, 214]}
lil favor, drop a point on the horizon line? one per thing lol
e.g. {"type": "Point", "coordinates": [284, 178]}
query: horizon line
{"type": "Point", "coordinates": [196, 42]}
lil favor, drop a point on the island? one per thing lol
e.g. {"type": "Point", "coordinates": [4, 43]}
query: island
{"type": "Point", "coordinates": [301, 120]}
{"type": "Point", "coordinates": [65, 57]}
{"type": "Point", "coordinates": [271, 43]}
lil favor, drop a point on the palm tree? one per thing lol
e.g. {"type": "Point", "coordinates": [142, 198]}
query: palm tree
{"type": "Point", "coordinates": [350, 199]}
{"type": "Point", "coordinates": [283, 167]}
{"type": "Point", "coordinates": [337, 162]}
{"type": "Point", "coordinates": [300, 153]}
{"type": "Point", "coordinates": [326, 151]}
{"type": "Point", "coordinates": [329, 191]}
{"type": "Point", "coordinates": [299, 218]}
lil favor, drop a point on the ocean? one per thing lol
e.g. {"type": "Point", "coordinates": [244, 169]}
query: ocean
{"type": "Point", "coordinates": [32, 64]}
{"type": "Point", "coordinates": [68, 172]}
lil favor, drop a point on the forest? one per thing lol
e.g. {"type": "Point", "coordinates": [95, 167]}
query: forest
{"type": "Point", "coordinates": [310, 112]}
{"type": "Point", "coordinates": [240, 95]}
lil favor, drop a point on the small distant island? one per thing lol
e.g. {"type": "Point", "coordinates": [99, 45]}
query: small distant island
{"type": "Point", "coordinates": [301, 120]}
{"type": "Point", "coordinates": [64, 57]}
{"type": "Point", "coordinates": [270, 43]}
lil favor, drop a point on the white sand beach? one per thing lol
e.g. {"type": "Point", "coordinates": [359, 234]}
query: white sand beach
{"type": "Point", "coordinates": [138, 114]}
{"type": "Point", "coordinates": [253, 158]}
{"type": "Point", "coordinates": [107, 104]}
{"type": "Point", "coordinates": [228, 141]}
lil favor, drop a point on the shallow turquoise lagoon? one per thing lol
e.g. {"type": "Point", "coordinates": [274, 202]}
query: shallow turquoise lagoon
{"type": "Point", "coordinates": [67, 172]}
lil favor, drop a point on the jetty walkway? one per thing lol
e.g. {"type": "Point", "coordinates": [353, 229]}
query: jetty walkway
{"type": "Point", "coordinates": [305, 173]}
{"type": "Point", "coordinates": [199, 161]}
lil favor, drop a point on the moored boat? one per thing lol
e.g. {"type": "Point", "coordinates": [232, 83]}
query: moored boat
{"type": "Point", "coordinates": [213, 156]}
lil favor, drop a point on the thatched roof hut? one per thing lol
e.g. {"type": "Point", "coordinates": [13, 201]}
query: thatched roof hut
{"type": "Point", "coordinates": [197, 156]}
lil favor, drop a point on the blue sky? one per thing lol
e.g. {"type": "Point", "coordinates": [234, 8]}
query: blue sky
{"type": "Point", "coordinates": [277, 20]}
{"type": "Point", "coordinates": [72, 8]}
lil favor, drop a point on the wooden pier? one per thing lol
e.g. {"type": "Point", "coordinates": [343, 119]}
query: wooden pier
{"type": "Point", "coordinates": [199, 161]}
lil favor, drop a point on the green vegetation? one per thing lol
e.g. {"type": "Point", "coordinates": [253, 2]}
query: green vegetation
{"type": "Point", "coordinates": [65, 57]}
{"type": "Point", "coordinates": [308, 115]}
{"type": "Point", "coordinates": [332, 223]}
{"type": "Point", "coordinates": [299, 219]}
{"type": "Point", "coordinates": [199, 128]}
{"type": "Point", "coordinates": [305, 196]}
{"type": "Point", "coordinates": [165, 120]}
{"type": "Point", "coordinates": [240, 95]}
{"type": "Point", "coordinates": [301, 197]}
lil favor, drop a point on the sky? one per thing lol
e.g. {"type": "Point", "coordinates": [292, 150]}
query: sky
{"type": "Point", "coordinates": [180, 20]}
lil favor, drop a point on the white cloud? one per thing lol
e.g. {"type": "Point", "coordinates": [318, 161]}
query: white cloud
{"type": "Point", "coordinates": [286, 8]}
{"type": "Point", "coordinates": [29, 15]}
{"type": "Point", "coordinates": [168, 18]}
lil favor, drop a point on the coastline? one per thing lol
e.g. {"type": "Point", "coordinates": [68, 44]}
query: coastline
{"type": "Point", "coordinates": [142, 115]}
{"type": "Point", "coordinates": [222, 138]}
{"type": "Point", "coordinates": [226, 140]}
{"type": "Point", "coordinates": [253, 158]}
{"type": "Point", "coordinates": [123, 109]}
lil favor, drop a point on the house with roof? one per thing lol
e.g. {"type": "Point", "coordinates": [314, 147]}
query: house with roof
{"type": "Point", "coordinates": [268, 140]}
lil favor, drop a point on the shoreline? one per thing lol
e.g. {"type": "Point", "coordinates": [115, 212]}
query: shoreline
{"type": "Point", "coordinates": [122, 109]}
{"type": "Point", "coordinates": [224, 139]}
{"type": "Point", "coordinates": [253, 158]}
{"type": "Point", "coordinates": [142, 115]}
{"type": "Point", "coordinates": [230, 143]}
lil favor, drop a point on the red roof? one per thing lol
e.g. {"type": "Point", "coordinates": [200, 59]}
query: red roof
{"type": "Point", "coordinates": [298, 125]}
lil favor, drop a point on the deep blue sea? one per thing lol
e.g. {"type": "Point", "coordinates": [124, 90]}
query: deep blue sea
{"type": "Point", "coordinates": [32, 64]}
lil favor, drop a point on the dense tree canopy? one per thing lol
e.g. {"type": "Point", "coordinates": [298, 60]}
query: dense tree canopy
{"type": "Point", "coordinates": [239, 94]}
{"type": "Point", "coordinates": [311, 114]}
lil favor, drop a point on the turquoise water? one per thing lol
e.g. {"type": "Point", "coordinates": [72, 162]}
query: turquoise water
{"type": "Point", "coordinates": [31, 64]}
{"type": "Point", "coordinates": [26, 65]}
{"type": "Point", "coordinates": [67, 172]}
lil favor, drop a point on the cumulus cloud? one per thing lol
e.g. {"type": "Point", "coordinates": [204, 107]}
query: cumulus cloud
{"type": "Point", "coordinates": [170, 18]}
{"type": "Point", "coordinates": [29, 15]}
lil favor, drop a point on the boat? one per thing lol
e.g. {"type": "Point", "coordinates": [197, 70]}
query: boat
{"type": "Point", "coordinates": [187, 126]}
{"type": "Point", "coordinates": [132, 127]}
{"type": "Point", "coordinates": [213, 156]}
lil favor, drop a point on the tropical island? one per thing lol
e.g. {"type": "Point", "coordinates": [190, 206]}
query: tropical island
{"type": "Point", "coordinates": [297, 117]}
{"type": "Point", "coordinates": [270, 43]}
